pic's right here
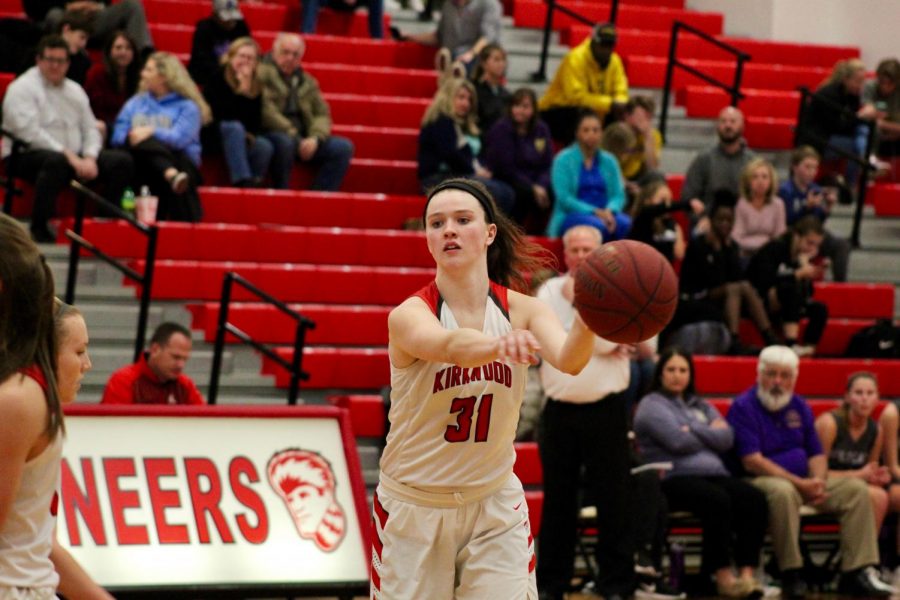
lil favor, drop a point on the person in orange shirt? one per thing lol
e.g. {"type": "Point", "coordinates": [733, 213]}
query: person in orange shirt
{"type": "Point", "coordinates": [158, 376]}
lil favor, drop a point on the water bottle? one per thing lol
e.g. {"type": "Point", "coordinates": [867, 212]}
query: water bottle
{"type": "Point", "coordinates": [128, 203]}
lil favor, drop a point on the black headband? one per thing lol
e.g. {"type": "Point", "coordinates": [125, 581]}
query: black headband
{"type": "Point", "coordinates": [463, 185]}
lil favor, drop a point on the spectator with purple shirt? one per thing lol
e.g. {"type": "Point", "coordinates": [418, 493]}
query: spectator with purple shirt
{"type": "Point", "coordinates": [803, 196]}
{"type": "Point", "coordinates": [519, 151]}
{"type": "Point", "coordinates": [675, 425]}
{"type": "Point", "coordinates": [776, 441]}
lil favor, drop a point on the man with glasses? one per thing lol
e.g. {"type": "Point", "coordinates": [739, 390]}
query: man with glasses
{"type": "Point", "coordinates": [52, 115]}
{"type": "Point", "coordinates": [776, 441]}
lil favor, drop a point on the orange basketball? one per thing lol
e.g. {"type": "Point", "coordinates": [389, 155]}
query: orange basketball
{"type": "Point", "coordinates": [626, 291]}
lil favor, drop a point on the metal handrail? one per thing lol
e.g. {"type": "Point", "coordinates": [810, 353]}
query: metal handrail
{"type": "Point", "coordinates": [78, 242]}
{"type": "Point", "coordinates": [294, 366]}
{"type": "Point", "coordinates": [552, 6]}
{"type": "Point", "coordinates": [801, 131]}
{"type": "Point", "coordinates": [734, 90]}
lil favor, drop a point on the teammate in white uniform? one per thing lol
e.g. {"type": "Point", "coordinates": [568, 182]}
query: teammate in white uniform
{"type": "Point", "coordinates": [450, 517]}
{"type": "Point", "coordinates": [32, 564]}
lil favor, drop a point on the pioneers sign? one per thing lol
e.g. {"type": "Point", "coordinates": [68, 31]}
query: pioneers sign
{"type": "Point", "coordinates": [213, 496]}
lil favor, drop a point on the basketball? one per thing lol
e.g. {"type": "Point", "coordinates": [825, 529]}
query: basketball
{"type": "Point", "coordinates": [626, 291]}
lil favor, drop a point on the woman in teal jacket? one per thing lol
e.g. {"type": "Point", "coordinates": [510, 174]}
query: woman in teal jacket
{"type": "Point", "coordinates": [588, 185]}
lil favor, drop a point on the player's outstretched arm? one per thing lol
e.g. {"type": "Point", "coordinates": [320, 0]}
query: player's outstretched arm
{"type": "Point", "coordinates": [416, 334]}
{"type": "Point", "coordinates": [74, 582]}
{"type": "Point", "coordinates": [568, 352]}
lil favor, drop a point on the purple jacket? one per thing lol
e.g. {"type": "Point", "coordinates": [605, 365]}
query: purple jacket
{"type": "Point", "coordinates": [519, 160]}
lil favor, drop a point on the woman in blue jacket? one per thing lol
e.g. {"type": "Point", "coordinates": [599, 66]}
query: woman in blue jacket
{"type": "Point", "coordinates": [588, 185]}
{"type": "Point", "coordinates": [160, 126]}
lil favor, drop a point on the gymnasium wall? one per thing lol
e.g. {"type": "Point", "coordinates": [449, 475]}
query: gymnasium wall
{"type": "Point", "coordinates": [870, 24]}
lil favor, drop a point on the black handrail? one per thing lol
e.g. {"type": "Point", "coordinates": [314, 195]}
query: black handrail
{"type": "Point", "coordinates": [10, 190]}
{"type": "Point", "coordinates": [802, 132]}
{"type": "Point", "coordinates": [733, 90]}
{"type": "Point", "coordinates": [78, 242]}
{"type": "Point", "coordinates": [552, 6]}
{"type": "Point", "coordinates": [294, 367]}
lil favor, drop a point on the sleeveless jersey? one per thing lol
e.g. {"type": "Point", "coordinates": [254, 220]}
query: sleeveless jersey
{"type": "Point", "coordinates": [847, 453]}
{"type": "Point", "coordinates": [453, 428]}
{"type": "Point", "coordinates": [27, 535]}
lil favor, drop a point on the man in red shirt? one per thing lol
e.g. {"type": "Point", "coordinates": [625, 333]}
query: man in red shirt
{"type": "Point", "coordinates": [157, 377]}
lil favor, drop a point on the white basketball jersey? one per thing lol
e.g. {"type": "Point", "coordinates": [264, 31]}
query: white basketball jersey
{"type": "Point", "coordinates": [453, 428]}
{"type": "Point", "coordinates": [27, 534]}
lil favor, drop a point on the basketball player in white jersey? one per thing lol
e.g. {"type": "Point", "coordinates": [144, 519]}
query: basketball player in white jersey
{"type": "Point", "coordinates": [32, 389]}
{"type": "Point", "coordinates": [450, 517]}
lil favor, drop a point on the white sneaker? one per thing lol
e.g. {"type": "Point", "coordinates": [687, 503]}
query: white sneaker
{"type": "Point", "coordinates": [657, 591]}
{"type": "Point", "coordinates": [803, 350]}
{"type": "Point", "coordinates": [771, 591]}
{"type": "Point", "coordinates": [877, 583]}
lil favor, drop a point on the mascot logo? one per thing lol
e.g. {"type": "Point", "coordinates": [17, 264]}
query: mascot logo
{"type": "Point", "coordinates": [304, 480]}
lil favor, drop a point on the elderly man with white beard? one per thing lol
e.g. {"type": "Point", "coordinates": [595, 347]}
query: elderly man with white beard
{"type": "Point", "coordinates": [776, 441]}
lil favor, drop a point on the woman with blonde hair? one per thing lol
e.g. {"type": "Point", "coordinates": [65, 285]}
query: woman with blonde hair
{"type": "Point", "coordinates": [160, 126]}
{"type": "Point", "coordinates": [235, 94]}
{"type": "Point", "coordinates": [449, 144]}
{"type": "Point", "coordinates": [831, 117]}
{"type": "Point", "coordinates": [759, 214]}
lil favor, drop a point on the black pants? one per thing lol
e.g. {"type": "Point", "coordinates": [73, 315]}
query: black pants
{"type": "Point", "coordinates": [794, 298]}
{"type": "Point", "coordinates": [152, 158]}
{"type": "Point", "coordinates": [733, 513]}
{"type": "Point", "coordinates": [51, 173]}
{"type": "Point", "coordinates": [561, 121]}
{"type": "Point", "coordinates": [594, 435]}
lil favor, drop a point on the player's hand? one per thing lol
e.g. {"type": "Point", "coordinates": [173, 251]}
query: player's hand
{"type": "Point", "coordinates": [519, 346]}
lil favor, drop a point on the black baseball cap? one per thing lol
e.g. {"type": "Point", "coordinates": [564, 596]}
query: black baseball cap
{"type": "Point", "coordinates": [604, 34]}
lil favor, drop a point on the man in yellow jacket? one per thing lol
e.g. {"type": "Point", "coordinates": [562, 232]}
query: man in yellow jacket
{"type": "Point", "coordinates": [591, 76]}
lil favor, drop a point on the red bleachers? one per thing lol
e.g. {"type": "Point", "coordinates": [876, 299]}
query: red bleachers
{"type": "Point", "coordinates": [365, 175]}
{"type": "Point", "coordinates": [195, 280]}
{"type": "Point", "coordinates": [366, 413]}
{"type": "Point", "coordinates": [384, 111]}
{"type": "Point", "coordinates": [843, 299]}
{"type": "Point", "coordinates": [311, 209]}
{"type": "Point", "coordinates": [173, 36]}
{"type": "Point", "coordinates": [833, 343]}
{"type": "Point", "coordinates": [532, 14]}
{"type": "Point", "coordinates": [886, 199]}
{"type": "Point", "coordinates": [260, 16]}
{"type": "Point", "coordinates": [642, 42]}
{"type": "Point", "coordinates": [376, 142]}
{"type": "Point", "coordinates": [338, 368]}
{"type": "Point", "coordinates": [818, 377]}
{"type": "Point", "coordinates": [353, 325]}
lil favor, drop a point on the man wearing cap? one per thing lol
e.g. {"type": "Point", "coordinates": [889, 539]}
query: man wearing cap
{"type": "Point", "coordinates": [591, 76]}
{"type": "Point", "coordinates": [212, 37]}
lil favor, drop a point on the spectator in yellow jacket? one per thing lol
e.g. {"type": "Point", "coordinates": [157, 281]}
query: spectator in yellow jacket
{"type": "Point", "coordinates": [591, 76]}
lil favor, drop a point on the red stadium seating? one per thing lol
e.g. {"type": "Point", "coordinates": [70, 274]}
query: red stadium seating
{"type": "Point", "coordinates": [818, 377]}
{"type": "Point", "coordinates": [366, 413]}
{"type": "Point", "coordinates": [194, 280]}
{"type": "Point", "coordinates": [843, 299]}
{"type": "Point", "coordinates": [311, 209]}
{"type": "Point", "coordinates": [381, 111]}
{"type": "Point", "coordinates": [377, 142]}
{"type": "Point", "coordinates": [834, 341]}
{"type": "Point", "coordinates": [366, 175]}
{"type": "Point", "coordinates": [886, 199]}
{"type": "Point", "coordinates": [352, 325]}
{"type": "Point", "coordinates": [337, 368]}
{"type": "Point", "coordinates": [260, 16]}
{"type": "Point", "coordinates": [643, 42]}
{"type": "Point", "coordinates": [532, 13]}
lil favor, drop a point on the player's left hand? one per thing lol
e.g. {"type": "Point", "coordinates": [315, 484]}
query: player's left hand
{"type": "Point", "coordinates": [519, 346]}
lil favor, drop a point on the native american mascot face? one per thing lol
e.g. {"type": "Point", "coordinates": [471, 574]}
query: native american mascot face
{"type": "Point", "coordinates": [305, 482]}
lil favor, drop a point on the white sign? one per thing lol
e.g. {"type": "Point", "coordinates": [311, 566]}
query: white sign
{"type": "Point", "coordinates": [213, 496]}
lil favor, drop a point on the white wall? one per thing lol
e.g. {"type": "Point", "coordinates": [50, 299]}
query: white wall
{"type": "Point", "coordinates": [870, 25]}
